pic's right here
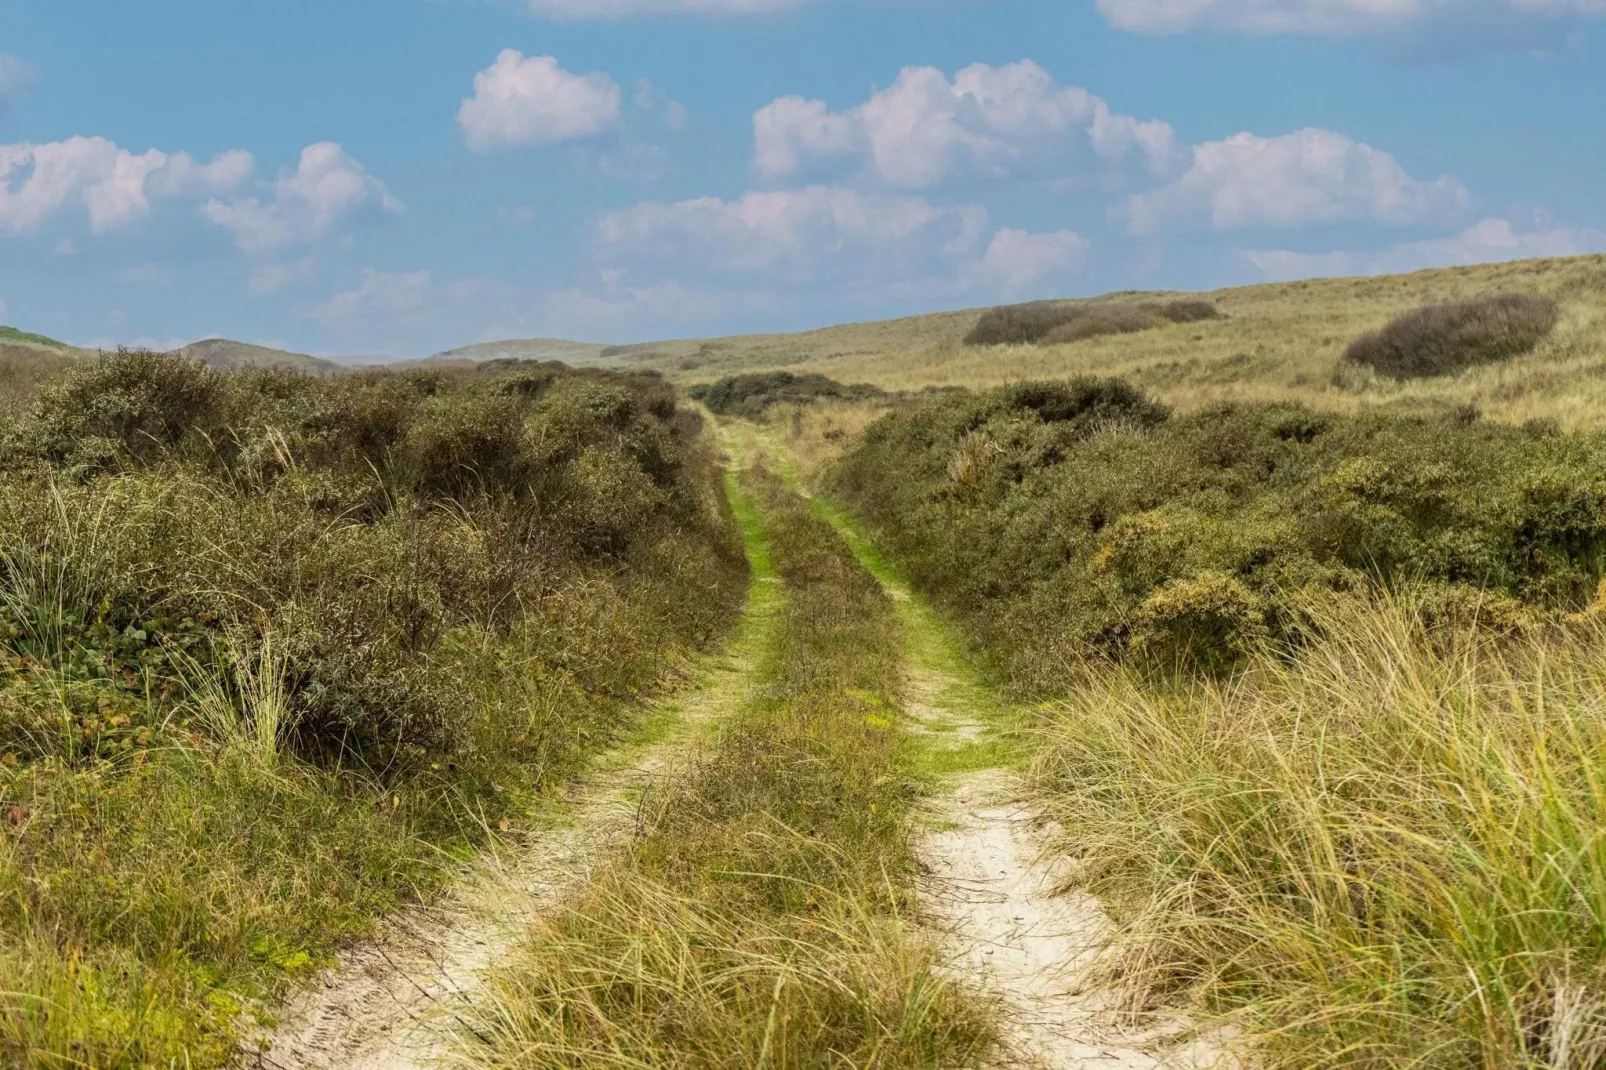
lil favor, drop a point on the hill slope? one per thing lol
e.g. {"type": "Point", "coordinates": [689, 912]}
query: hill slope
{"type": "Point", "coordinates": [226, 355]}
{"type": "Point", "coordinates": [590, 353]}
{"type": "Point", "coordinates": [1277, 341]}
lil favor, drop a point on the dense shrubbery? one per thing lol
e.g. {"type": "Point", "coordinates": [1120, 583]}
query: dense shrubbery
{"type": "Point", "coordinates": [265, 638]}
{"type": "Point", "coordinates": [1072, 518]}
{"type": "Point", "coordinates": [1054, 323]}
{"type": "Point", "coordinates": [749, 395]}
{"type": "Point", "coordinates": [1447, 338]}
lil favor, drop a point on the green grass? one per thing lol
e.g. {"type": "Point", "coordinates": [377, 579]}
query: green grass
{"type": "Point", "coordinates": [11, 334]}
{"type": "Point", "coordinates": [278, 654]}
{"type": "Point", "coordinates": [762, 921]}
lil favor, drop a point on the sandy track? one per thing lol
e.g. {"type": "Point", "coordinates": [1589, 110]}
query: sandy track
{"type": "Point", "coordinates": [395, 1003]}
{"type": "Point", "coordinates": [392, 1004]}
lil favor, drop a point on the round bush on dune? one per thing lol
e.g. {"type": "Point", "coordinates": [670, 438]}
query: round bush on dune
{"type": "Point", "coordinates": [1446, 338]}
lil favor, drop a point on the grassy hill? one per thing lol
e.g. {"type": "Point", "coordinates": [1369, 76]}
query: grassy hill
{"type": "Point", "coordinates": [587, 353]}
{"type": "Point", "coordinates": [1277, 341]}
{"type": "Point", "coordinates": [225, 355]}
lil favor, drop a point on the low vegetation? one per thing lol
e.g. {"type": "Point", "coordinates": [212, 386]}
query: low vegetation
{"type": "Point", "coordinates": [1323, 727]}
{"type": "Point", "coordinates": [751, 395]}
{"type": "Point", "coordinates": [1442, 339]}
{"type": "Point", "coordinates": [274, 649]}
{"type": "Point", "coordinates": [1071, 517]}
{"type": "Point", "coordinates": [1381, 851]}
{"type": "Point", "coordinates": [760, 920]}
{"type": "Point", "coordinates": [1055, 322]}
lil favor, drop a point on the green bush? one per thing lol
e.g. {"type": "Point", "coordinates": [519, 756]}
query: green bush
{"type": "Point", "coordinates": [273, 646]}
{"type": "Point", "coordinates": [1447, 338]}
{"type": "Point", "coordinates": [1069, 519]}
{"type": "Point", "coordinates": [750, 395]}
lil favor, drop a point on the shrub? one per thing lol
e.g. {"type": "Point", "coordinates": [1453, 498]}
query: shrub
{"type": "Point", "coordinates": [1055, 323]}
{"type": "Point", "coordinates": [750, 395]}
{"type": "Point", "coordinates": [274, 647]}
{"type": "Point", "coordinates": [131, 404]}
{"type": "Point", "coordinates": [1020, 324]}
{"type": "Point", "coordinates": [1112, 319]}
{"type": "Point", "coordinates": [1068, 519]}
{"type": "Point", "coordinates": [1446, 338]}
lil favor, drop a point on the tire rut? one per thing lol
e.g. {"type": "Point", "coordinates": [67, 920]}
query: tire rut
{"type": "Point", "coordinates": [395, 1003]}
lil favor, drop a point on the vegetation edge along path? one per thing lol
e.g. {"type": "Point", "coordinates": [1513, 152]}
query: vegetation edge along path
{"type": "Point", "coordinates": [396, 1003]}
{"type": "Point", "coordinates": [991, 882]}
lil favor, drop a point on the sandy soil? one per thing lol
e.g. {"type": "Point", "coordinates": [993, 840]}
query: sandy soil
{"type": "Point", "coordinates": [394, 1004]}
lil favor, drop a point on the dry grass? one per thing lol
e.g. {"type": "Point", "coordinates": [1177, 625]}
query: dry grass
{"type": "Point", "coordinates": [1277, 342]}
{"type": "Point", "coordinates": [1383, 851]}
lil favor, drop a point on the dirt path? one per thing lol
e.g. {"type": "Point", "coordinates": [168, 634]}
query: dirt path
{"type": "Point", "coordinates": [991, 886]}
{"type": "Point", "coordinates": [393, 1004]}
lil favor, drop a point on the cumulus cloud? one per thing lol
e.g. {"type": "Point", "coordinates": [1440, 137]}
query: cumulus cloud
{"type": "Point", "coordinates": [110, 186]}
{"type": "Point", "coordinates": [327, 188]}
{"type": "Point", "coordinates": [521, 100]}
{"type": "Point", "coordinates": [1017, 260]}
{"type": "Point", "coordinates": [624, 9]}
{"type": "Point", "coordinates": [1308, 177]}
{"type": "Point", "coordinates": [1328, 17]}
{"type": "Point", "coordinates": [1011, 122]}
{"type": "Point", "coordinates": [1487, 241]}
{"type": "Point", "coordinates": [811, 234]}
{"type": "Point", "coordinates": [830, 239]}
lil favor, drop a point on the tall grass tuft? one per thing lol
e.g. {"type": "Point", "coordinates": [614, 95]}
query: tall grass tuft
{"type": "Point", "coordinates": [1380, 850]}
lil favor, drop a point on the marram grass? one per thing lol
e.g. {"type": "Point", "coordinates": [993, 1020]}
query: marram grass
{"type": "Point", "coordinates": [1383, 850]}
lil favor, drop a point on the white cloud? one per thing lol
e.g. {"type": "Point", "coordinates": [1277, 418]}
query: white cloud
{"type": "Point", "coordinates": [1308, 177]}
{"type": "Point", "coordinates": [822, 240]}
{"type": "Point", "coordinates": [624, 9]}
{"type": "Point", "coordinates": [809, 234]}
{"type": "Point", "coordinates": [381, 296]}
{"type": "Point", "coordinates": [533, 101]}
{"type": "Point", "coordinates": [1488, 241]}
{"type": "Point", "coordinates": [1326, 17]}
{"type": "Point", "coordinates": [326, 188]}
{"type": "Point", "coordinates": [1017, 260]}
{"type": "Point", "coordinates": [17, 77]}
{"type": "Point", "coordinates": [112, 186]}
{"type": "Point", "coordinates": [988, 122]}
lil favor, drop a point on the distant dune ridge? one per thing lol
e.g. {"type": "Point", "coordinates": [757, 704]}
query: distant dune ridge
{"type": "Point", "coordinates": [1280, 341]}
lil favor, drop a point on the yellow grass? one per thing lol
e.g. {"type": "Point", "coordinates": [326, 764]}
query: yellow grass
{"type": "Point", "coordinates": [1279, 341]}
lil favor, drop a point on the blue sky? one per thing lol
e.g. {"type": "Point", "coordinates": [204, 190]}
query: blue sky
{"type": "Point", "coordinates": [359, 177]}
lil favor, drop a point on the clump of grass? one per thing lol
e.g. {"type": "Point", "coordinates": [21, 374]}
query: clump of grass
{"type": "Point", "coordinates": [276, 649]}
{"type": "Point", "coordinates": [751, 395]}
{"type": "Point", "coordinates": [760, 921]}
{"type": "Point", "coordinates": [1380, 850]}
{"type": "Point", "coordinates": [1056, 323]}
{"type": "Point", "coordinates": [1442, 339]}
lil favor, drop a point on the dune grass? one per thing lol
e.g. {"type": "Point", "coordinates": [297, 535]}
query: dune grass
{"type": "Point", "coordinates": [277, 653]}
{"type": "Point", "coordinates": [762, 919]}
{"type": "Point", "coordinates": [1275, 342]}
{"type": "Point", "coordinates": [1379, 851]}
